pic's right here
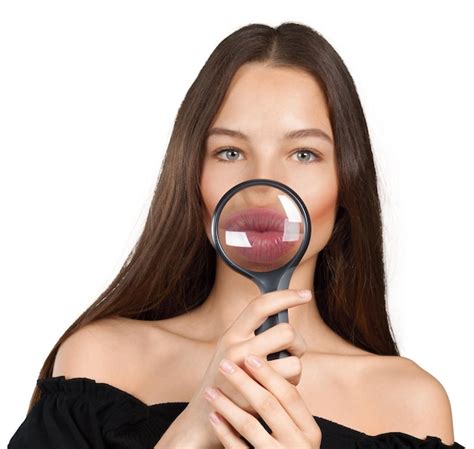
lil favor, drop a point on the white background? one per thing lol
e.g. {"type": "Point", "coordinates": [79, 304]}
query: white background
{"type": "Point", "coordinates": [88, 94]}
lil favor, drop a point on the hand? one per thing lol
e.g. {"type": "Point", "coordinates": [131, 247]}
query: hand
{"type": "Point", "coordinates": [276, 400]}
{"type": "Point", "coordinates": [191, 428]}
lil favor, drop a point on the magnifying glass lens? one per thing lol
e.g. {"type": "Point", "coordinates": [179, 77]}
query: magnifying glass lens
{"type": "Point", "coordinates": [260, 228]}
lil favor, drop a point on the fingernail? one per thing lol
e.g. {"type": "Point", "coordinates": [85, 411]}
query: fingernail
{"type": "Point", "coordinates": [253, 361]}
{"type": "Point", "coordinates": [227, 366]}
{"type": "Point", "coordinates": [210, 393]}
{"type": "Point", "coordinates": [304, 293]}
{"type": "Point", "coordinates": [214, 418]}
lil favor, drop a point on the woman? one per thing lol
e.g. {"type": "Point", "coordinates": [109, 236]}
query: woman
{"type": "Point", "coordinates": [136, 368]}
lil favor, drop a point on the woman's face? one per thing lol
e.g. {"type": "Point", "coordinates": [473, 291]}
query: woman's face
{"type": "Point", "coordinates": [265, 103]}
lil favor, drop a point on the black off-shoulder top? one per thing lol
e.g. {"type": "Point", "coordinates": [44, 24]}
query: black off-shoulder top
{"type": "Point", "coordinates": [80, 413]}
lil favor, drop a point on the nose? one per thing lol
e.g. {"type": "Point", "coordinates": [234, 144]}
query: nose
{"type": "Point", "coordinates": [267, 168]}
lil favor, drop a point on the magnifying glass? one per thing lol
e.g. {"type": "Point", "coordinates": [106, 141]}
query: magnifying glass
{"type": "Point", "coordinates": [261, 228]}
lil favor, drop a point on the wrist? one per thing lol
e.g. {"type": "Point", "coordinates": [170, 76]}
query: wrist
{"type": "Point", "coordinates": [190, 430]}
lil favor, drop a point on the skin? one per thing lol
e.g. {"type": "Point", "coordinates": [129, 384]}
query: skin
{"type": "Point", "coordinates": [264, 103]}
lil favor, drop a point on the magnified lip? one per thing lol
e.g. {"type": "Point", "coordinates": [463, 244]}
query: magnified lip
{"type": "Point", "coordinates": [255, 219]}
{"type": "Point", "coordinates": [264, 229]}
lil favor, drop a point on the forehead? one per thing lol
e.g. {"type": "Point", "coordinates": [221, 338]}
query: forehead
{"type": "Point", "coordinates": [263, 96]}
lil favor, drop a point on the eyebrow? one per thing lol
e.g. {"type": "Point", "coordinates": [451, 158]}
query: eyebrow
{"type": "Point", "coordinates": [310, 132]}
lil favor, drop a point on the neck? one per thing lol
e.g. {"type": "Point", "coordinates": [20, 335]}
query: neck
{"type": "Point", "coordinates": [232, 292]}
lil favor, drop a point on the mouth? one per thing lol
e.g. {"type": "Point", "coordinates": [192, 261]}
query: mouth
{"type": "Point", "coordinates": [259, 235]}
{"type": "Point", "coordinates": [255, 219]}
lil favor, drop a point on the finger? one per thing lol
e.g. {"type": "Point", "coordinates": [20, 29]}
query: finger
{"type": "Point", "coordinates": [262, 307]}
{"type": "Point", "coordinates": [286, 394]}
{"type": "Point", "coordinates": [281, 336]}
{"type": "Point", "coordinates": [226, 434]}
{"type": "Point", "coordinates": [287, 367]}
{"type": "Point", "coordinates": [244, 423]}
{"type": "Point", "coordinates": [263, 400]}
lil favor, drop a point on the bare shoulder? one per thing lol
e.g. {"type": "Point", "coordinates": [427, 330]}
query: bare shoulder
{"type": "Point", "coordinates": [109, 350]}
{"type": "Point", "coordinates": [418, 402]}
{"type": "Point", "coordinates": [432, 414]}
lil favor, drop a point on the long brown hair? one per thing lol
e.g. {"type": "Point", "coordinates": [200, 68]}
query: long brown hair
{"type": "Point", "coordinates": [165, 276]}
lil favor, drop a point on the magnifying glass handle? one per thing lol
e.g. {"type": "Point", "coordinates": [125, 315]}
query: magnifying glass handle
{"type": "Point", "coordinates": [273, 320]}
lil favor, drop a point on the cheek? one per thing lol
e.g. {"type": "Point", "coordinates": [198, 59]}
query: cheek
{"type": "Point", "coordinates": [208, 201]}
{"type": "Point", "coordinates": [321, 203]}
{"type": "Point", "coordinates": [213, 186]}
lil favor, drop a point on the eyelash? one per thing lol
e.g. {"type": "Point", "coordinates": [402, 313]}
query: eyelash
{"type": "Point", "coordinates": [297, 151]}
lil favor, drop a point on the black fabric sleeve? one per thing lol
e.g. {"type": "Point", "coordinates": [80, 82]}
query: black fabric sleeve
{"type": "Point", "coordinates": [400, 440]}
{"type": "Point", "coordinates": [60, 421]}
{"type": "Point", "coordinates": [81, 414]}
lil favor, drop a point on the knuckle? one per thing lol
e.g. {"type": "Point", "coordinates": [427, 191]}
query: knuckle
{"type": "Point", "coordinates": [259, 308]}
{"type": "Point", "coordinates": [290, 395]}
{"type": "Point", "coordinates": [287, 332]}
{"type": "Point", "coordinates": [267, 404]}
{"type": "Point", "coordinates": [288, 366]}
{"type": "Point", "coordinates": [247, 427]}
{"type": "Point", "coordinates": [229, 339]}
{"type": "Point", "coordinates": [295, 365]}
